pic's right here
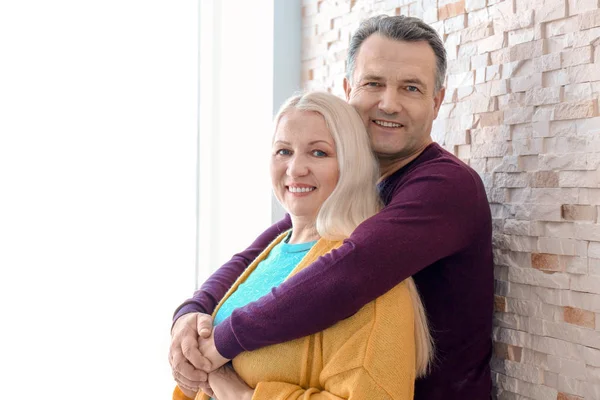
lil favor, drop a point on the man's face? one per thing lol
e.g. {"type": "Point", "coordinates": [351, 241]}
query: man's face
{"type": "Point", "coordinates": [393, 90]}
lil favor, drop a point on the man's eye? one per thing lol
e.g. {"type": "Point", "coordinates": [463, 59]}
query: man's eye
{"type": "Point", "coordinates": [412, 88]}
{"type": "Point", "coordinates": [319, 153]}
{"type": "Point", "coordinates": [283, 152]}
{"type": "Point", "coordinates": [372, 84]}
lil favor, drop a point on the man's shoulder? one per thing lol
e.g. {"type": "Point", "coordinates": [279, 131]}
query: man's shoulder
{"type": "Point", "coordinates": [439, 165]}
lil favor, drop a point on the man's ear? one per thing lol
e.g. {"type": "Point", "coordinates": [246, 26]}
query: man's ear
{"type": "Point", "coordinates": [437, 101]}
{"type": "Point", "coordinates": [347, 88]}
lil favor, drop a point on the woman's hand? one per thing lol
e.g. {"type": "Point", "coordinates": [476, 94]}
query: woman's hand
{"type": "Point", "coordinates": [210, 353]}
{"type": "Point", "coordinates": [227, 385]}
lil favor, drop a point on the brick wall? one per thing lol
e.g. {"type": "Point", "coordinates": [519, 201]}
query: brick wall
{"type": "Point", "coordinates": [522, 109]}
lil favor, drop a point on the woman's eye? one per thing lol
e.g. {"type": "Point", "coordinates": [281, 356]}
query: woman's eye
{"type": "Point", "coordinates": [319, 153]}
{"type": "Point", "coordinates": [283, 152]}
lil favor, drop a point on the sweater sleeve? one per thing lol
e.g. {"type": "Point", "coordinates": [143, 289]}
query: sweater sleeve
{"type": "Point", "coordinates": [212, 291]}
{"type": "Point", "coordinates": [432, 217]}
{"type": "Point", "coordinates": [364, 387]}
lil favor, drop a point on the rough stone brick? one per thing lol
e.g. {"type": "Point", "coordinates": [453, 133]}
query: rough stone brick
{"type": "Point", "coordinates": [579, 317]}
{"type": "Point", "coordinates": [588, 284]}
{"type": "Point", "coordinates": [498, 88]}
{"type": "Point", "coordinates": [541, 129]}
{"type": "Point", "coordinates": [527, 50]}
{"type": "Point", "coordinates": [591, 356]}
{"type": "Point", "coordinates": [501, 56]}
{"type": "Point", "coordinates": [511, 179]}
{"type": "Point", "coordinates": [581, 6]}
{"type": "Point", "coordinates": [551, 10]}
{"type": "Point", "coordinates": [548, 179]}
{"type": "Point", "coordinates": [430, 15]}
{"type": "Point", "coordinates": [492, 72]}
{"type": "Point", "coordinates": [540, 96]}
{"type": "Point", "coordinates": [561, 162]}
{"type": "Point", "coordinates": [589, 127]}
{"type": "Point", "coordinates": [478, 17]}
{"type": "Point", "coordinates": [567, 367]}
{"type": "Point", "coordinates": [556, 78]}
{"type": "Point", "coordinates": [499, 303]}
{"type": "Point", "coordinates": [538, 278]}
{"type": "Point", "coordinates": [584, 73]}
{"type": "Point", "coordinates": [574, 265]}
{"type": "Point", "coordinates": [521, 132]}
{"type": "Point", "coordinates": [589, 19]}
{"type": "Point", "coordinates": [510, 21]}
{"type": "Point", "coordinates": [560, 246]}
{"type": "Point", "coordinates": [548, 62]}
{"type": "Point", "coordinates": [557, 230]}
{"type": "Point", "coordinates": [522, 84]}
{"type": "Point", "coordinates": [520, 36]}
{"type": "Point", "coordinates": [472, 5]}
{"type": "Point", "coordinates": [581, 179]}
{"type": "Point", "coordinates": [455, 24]}
{"type": "Point", "coordinates": [480, 61]}
{"type": "Point", "coordinates": [582, 38]}
{"type": "Point", "coordinates": [576, 212]}
{"type": "Point", "coordinates": [578, 92]}
{"type": "Point", "coordinates": [580, 55]}
{"type": "Point", "coordinates": [490, 119]}
{"type": "Point", "coordinates": [565, 396]}
{"type": "Point", "coordinates": [518, 115]}
{"type": "Point", "coordinates": [464, 79]}
{"type": "Point", "coordinates": [543, 113]}
{"type": "Point", "coordinates": [580, 109]}
{"type": "Point", "coordinates": [545, 262]}
{"type": "Point", "coordinates": [491, 43]}
{"type": "Point", "coordinates": [451, 10]}
{"type": "Point", "coordinates": [561, 26]}
{"type": "Point", "coordinates": [460, 66]}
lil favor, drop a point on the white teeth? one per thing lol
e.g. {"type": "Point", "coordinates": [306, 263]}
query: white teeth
{"type": "Point", "coordinates": [387, 124]}
{"type": "Point", "coordinates": [300, 190]}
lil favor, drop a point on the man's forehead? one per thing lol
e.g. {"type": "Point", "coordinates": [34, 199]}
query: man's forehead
{"type": "Point", "coordinates": [395, 58]}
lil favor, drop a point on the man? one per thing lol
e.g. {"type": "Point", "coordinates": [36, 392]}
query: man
{"type": "Point", "coordinates": [436, 227]}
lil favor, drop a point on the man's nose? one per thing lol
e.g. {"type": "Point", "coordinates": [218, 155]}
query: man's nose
{"type": "Point", "coordinates": [390, 102]}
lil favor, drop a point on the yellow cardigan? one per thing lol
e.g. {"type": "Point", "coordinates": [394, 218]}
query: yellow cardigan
{"type": "Point", "coordinates": [370, 355]}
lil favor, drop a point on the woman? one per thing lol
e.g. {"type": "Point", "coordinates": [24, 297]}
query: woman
{"type": "Point", "coordinates": [324, 175]}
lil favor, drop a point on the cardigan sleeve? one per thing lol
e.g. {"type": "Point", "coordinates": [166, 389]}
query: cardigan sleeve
{"type": "Point", "coordinates": [212, 291]}
{"type": "Point", "coordinates": [178, 394]}
{"type": "Point", "coordinates": [437, 213]}
{"type": "Point", "coordinates": [355, 384]}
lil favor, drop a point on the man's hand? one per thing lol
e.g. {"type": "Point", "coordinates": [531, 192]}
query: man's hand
{"type": "Point", "coordinates": [209, 350]}
{"type": "Point", "coordinates": [190, 367]}
{"type": "Point", "coordinates": [228, 385]}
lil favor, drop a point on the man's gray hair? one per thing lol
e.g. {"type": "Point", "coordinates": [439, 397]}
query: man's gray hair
{"type": "Point", "coordinates": [400, 28]}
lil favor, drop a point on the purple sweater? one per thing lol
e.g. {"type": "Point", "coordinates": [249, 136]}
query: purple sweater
{"type": "Point", "coordinates": [436, 226]}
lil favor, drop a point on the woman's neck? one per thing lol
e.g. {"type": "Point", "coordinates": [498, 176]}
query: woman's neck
{"type": "Point", "coordinates": [303, 231]}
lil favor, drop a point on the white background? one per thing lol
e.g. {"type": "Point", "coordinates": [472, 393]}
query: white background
{"type": "Point", "coordinates": [98, 153]}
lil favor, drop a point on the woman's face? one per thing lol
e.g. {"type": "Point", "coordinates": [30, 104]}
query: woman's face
{"type": "Point", "coordinates": [304, 165]}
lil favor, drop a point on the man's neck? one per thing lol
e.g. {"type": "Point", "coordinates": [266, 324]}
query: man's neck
{"type": "Point", "coordinates": [387, 166]}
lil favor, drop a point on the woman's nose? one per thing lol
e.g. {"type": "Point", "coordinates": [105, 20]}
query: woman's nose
{"type": "Point", "coordinates": [297, 166]}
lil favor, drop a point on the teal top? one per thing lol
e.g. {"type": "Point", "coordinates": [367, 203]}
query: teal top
{"type": "Point", "coordinates": [269, 273]}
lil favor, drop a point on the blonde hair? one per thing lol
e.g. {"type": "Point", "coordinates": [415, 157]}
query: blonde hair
{"type": "Point", "coordinates": [344, 210]}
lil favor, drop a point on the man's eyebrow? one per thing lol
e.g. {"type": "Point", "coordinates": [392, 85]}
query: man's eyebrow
{"type": "Point", "coordinates": [371, 77]}
{"type": "Point", "coordinates": [416, 81]}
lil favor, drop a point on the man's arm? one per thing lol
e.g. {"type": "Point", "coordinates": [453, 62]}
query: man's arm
{"type": "Point", "coordinates": [212, 291]}
{"type": "Point", "coordinates": [432, 217]}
